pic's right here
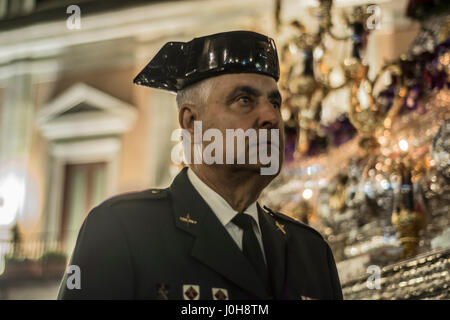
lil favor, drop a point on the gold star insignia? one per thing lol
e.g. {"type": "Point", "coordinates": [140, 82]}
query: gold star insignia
{"type": "Point", "coordinates": [280, 227]}
{"type": "Point", "coordinates": [188, 219]}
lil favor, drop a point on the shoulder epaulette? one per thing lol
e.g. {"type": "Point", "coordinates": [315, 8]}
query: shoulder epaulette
{"type": "Point", "coordinates": [297, 222]}
{"type": "Point", "coordinates": [146, 194]}
{"type": "Point", "coordinates": [156, 193]}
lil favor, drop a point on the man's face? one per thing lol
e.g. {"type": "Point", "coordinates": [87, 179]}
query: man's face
{"type": "Point", "coordinates": [245, 101]}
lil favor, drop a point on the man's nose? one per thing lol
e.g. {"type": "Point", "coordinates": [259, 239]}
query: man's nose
{"type": "Point", "coordinates": [268, 116]}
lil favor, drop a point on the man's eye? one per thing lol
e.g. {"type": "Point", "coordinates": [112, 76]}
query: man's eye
{"type": "Point", "coordinates": [276, 104]}
{"type": "Point", "coordinates": [244, 99]}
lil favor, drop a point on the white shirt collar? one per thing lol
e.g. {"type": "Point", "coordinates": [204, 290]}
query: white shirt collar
{"type": "Point", "coordinates": [224, 212]}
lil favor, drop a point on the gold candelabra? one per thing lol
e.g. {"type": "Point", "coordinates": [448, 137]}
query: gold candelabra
{"type": "Point", "coordinates": [306, 76]}
{"type": "Point", "coordinates": [406, 218]}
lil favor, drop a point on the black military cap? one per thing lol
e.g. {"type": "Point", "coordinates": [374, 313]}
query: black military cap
{"type": "Point", "coordinates": [180, 64]}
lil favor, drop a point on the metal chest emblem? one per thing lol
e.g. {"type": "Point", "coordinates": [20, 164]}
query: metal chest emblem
{"type": "Point", "coordinates": [220, 294]}
{"type": "Point", "coordinates": [191, 292]}
{"type": "Point", "coordinates": [280, 227]}
{"type": "Point", "coordinates": [188, 219]}
{"type": "Point", "coordinates": [162, 291]}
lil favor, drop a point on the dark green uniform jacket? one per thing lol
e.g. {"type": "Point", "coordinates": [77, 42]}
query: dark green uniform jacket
{"type": "Point", "coordinates": [157, 244]}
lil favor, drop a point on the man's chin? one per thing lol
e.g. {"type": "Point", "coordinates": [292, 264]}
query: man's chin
{"type": "Point", "coordinates": [257, 168]}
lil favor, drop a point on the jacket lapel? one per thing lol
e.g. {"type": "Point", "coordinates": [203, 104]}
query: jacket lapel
{"type": "Point", "coordinates": [213, 245]}
{"type": "Point", "coordinates": [275, 239]}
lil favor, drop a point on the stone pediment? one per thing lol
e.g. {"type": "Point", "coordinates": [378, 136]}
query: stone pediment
{"type": "Point", "coordinates": [83, 111]}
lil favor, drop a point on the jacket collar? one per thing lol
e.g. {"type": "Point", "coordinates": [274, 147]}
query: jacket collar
{"type": "Point", "coordinates": [214, 247]}
{"type": "Point", "coordinates": [275, 238]}
{"type": "Point", "coordinates": [222, 209]}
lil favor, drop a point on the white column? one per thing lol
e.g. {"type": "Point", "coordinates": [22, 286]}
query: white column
{"type": "Point", "coordinates": [16, 116]}
{"type": "Point", "coordinates": [52, 214]}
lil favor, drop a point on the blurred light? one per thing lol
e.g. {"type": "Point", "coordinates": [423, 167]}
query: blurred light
{"type": "Point", "coordinates": [323, 182]}
{"type": "Point", "coordinates": [285, 114]}
{"type": "Point", "coordinates": [293, 48]}
{"type": "Point", "coordinates": [385, 184]}
{"type": "Point", "coordinates": [318, 53]}
{"type": "Point", "coordinates": [307, 194]}
{"type": "Point", "coordinates": [368, 188]}
{"type": "Point", "coordinates": [403, 144]}
{"type": "Point", "coordinates": [11, 195]}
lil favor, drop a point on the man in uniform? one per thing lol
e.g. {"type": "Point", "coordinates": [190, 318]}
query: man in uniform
{"type": "Point", "coordinates": [206, 236]}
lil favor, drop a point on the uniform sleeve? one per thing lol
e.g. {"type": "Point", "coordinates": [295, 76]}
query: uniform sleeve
{"type": "Point", "coordinates": [335, 282]}
{"type": "Point", "coordinates": [101, 259]}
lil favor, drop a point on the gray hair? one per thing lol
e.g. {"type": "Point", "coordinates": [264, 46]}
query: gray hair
{"type": "Point", "coordinates": [196, 94]}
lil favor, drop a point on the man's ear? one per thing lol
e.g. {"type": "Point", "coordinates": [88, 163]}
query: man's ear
{"type": "Point", "coordinates": [187, 115]}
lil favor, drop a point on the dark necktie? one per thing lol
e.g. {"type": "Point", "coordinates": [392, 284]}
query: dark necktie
{"type": "Point", "coordinates": [250, 245]}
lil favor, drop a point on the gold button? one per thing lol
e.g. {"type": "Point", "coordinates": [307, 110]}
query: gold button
{"type": "Point", "coordinates": [155, 191]}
